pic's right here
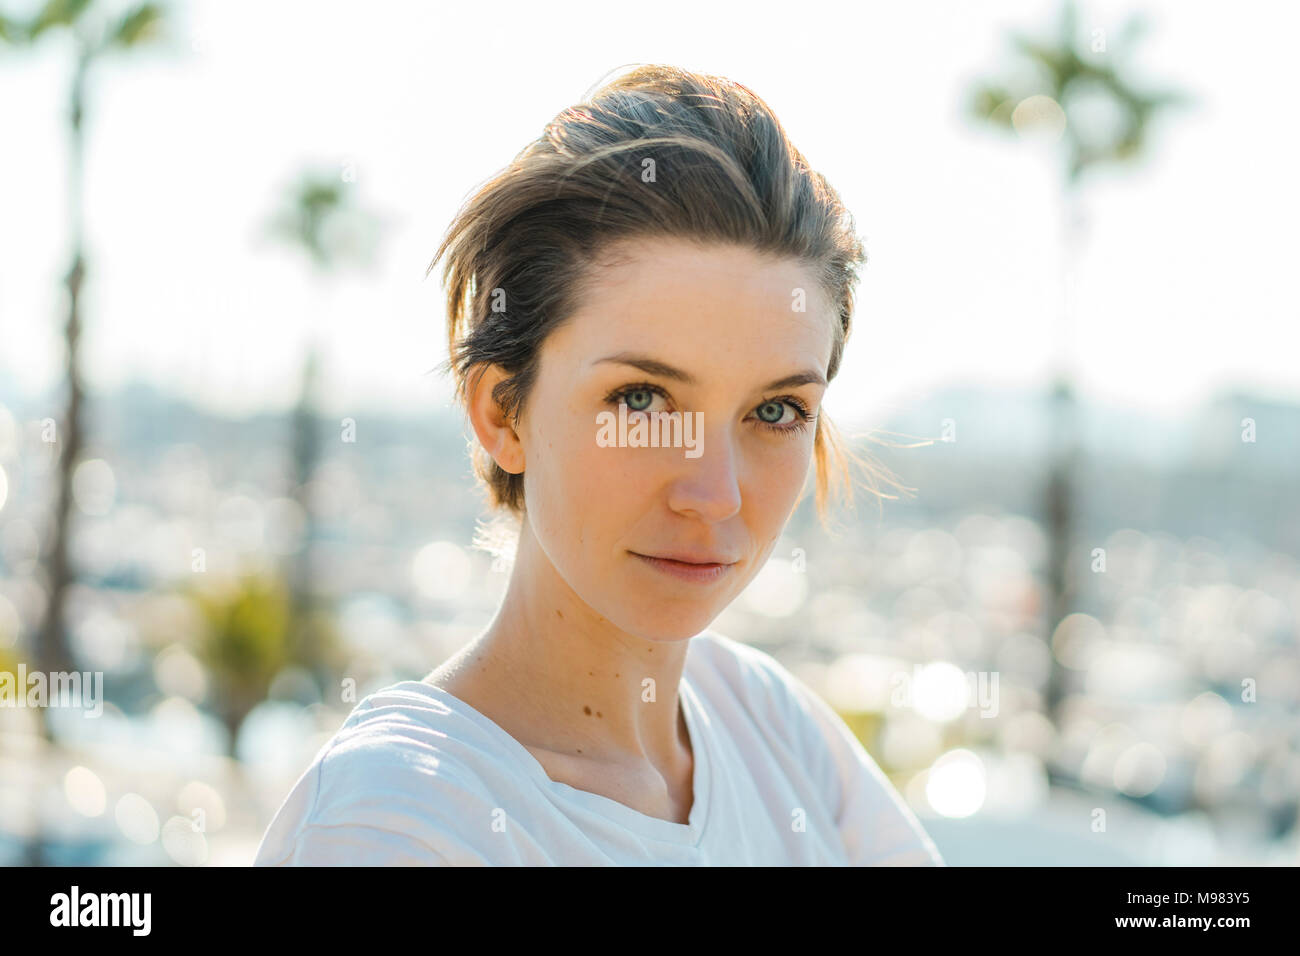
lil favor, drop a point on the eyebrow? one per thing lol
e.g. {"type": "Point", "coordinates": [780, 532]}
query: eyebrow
{"type": "Point", "coordinates": [655, 367]}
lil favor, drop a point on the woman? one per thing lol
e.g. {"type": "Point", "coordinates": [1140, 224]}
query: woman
{"type": "Point", "coordinates": [645, 309]}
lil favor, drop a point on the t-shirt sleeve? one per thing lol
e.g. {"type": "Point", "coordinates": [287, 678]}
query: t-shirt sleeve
{"type": "Point", "coordinates": [877, 826]}
{"type": "Point", "coordinates": [371, 806]}
{"type": "Point", "coordinates": [355, 844]}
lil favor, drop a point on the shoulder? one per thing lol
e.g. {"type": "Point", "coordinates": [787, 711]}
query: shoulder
{"type": "Point", "coordinates": [756, 698]}
{"type": "Point", "coordinates": [752, 692]}
{"type": "Point", "coordinates": [408, 727]}
{"type": "Point", "coordinates": [405, 736]}
{"type": "Point", "coordinates": [750, 676]}
{"type": "Point", "coordinates": [756, 695]}
{"type": "Point", "coordinates": [406, 779]}
{"type": "Point", "coordinates": [733, 658]}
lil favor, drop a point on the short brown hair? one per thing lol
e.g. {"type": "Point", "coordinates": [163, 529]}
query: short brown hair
{"type": "Point", "coordinates": [724, 172]}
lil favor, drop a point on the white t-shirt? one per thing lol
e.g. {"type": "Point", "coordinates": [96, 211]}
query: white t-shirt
{"type": "Point", "coordinates": [416, 776]}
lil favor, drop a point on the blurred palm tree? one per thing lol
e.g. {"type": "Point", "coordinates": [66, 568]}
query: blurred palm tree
{"type": "Point", "coordinates": [320, 216]}
{"type": "Point", "coordinates": [1082, 95]}
{"type": "Point", "coordinates": [244, 644]}
{"type": "Point", "coordinates": [95, 35]}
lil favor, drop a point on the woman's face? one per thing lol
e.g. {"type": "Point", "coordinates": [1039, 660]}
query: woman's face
{"type": "Point", "coordinates": [728, 319]}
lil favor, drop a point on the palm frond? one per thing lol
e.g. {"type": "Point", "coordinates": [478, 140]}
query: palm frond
{"type": "Point", "coordinates": [56, 13]}
{"type": "Point", "coordinates": [139, 26]}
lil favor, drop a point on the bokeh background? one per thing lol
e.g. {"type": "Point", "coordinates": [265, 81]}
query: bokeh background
{"type": "Point", "coordinates": [232, 483]}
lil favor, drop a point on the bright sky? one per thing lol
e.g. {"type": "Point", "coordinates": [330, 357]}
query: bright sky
{"type": "Point", "coordinates": [1187, 283]}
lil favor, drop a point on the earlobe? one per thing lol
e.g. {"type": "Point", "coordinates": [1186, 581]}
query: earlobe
{"type": "Point", "coordinates": [495, 431]}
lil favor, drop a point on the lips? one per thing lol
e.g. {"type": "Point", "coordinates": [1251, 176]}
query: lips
{"type": "Point", "coordinates": [684, 557]}
{"type": "Point", "coordinates": [697, 572]}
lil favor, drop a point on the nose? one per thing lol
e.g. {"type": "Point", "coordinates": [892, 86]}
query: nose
{"type": "Point", "coordinates": [708, 487]}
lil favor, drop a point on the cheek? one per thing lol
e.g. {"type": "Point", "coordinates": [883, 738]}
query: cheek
{"type": "Point", "coordinates": [779, 473]}
{"type": "Point", "coordinates": [771, 497]}
{"type": "Point", "coordinates": [571, 481]}
{"type": "Point", "coordinates": [616, 482]}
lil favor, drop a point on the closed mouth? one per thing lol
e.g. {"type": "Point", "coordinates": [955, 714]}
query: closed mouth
{"type": "Point", "coordinates": [683, 562]}
{"type": "Point", "coordinates": [692, 572]}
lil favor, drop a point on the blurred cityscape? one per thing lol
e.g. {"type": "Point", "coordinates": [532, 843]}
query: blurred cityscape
{"type": "Point", "coordinates": [1177, 726]}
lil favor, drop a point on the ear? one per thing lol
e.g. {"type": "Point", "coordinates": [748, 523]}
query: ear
{"type": "Point", "coordinates": [495, 432]}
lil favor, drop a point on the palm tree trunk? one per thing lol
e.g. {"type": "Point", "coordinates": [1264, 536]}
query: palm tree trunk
{"type": "Point", "coordinates": [53, 651]}
{"type": "Point", "coordinates": [306, 456]}
{"type": "Point", "coordinates": [1060, 498]}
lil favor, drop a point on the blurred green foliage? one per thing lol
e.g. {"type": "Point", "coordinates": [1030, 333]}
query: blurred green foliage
{"type": "Point", "coordinates": [139, 25]}
{"type": "Point", "coordinates": [9, 660]}
{"type": "Point", "coordinates": [244, 644]}
{"type": "Point", "coordinates": [249, 638]}
{"type": "Point", "coordinates": [1071, 67]}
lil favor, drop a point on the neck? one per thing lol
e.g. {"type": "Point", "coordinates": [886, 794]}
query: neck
{"type": "Point", "coordinates": [577, 683]}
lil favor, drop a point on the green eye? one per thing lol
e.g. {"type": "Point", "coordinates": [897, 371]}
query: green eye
{"type": "Point", "coordinates": [771, 412]}
{"type": "Point", "coordinates": [637, 398]}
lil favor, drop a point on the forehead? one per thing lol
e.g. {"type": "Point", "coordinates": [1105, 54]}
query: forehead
{"type": "Point", "coordinates": [693, 305]}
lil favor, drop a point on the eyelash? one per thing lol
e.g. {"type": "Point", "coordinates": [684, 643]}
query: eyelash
{"type": "Point", "coordinates": [804, 420]}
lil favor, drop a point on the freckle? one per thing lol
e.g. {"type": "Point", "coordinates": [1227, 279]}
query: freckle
{"type": "Point", "coordinates": [588, 673]}
{"type": "Point", "coordinates": [616, 675]}
{"type": "Point", "coordinates": [587, 711]}
{"type": "Point", "coordinates": [558, 614]}
{"type": "Point", "coordinates": [579, 750]}
{"type": "Point", "coordinates": [599, 714]}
